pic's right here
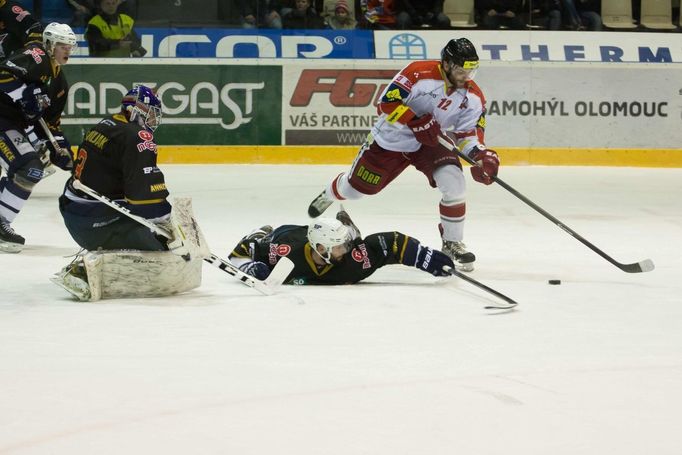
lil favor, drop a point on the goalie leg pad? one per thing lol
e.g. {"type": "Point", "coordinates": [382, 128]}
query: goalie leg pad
{"type": "Point", "coordinates": [129, 274]}
{"type": "Point", "coordinates": [146, 274]}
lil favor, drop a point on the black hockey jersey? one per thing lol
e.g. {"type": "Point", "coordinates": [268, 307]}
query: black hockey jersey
{"type": "Point", "coordinates": [17, 28]}
{"type": "Point", "coordinates": [32, 65]}
{"type": "Point", "coordinates": [368, 254]}
{"type": "Point", "coordinates": [117, 158]}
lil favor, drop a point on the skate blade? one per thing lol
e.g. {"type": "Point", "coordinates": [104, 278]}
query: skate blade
{"type": "Point", "coordinates": [10, 247]}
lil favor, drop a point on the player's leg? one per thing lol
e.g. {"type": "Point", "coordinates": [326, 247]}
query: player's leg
{"type": "Point", "coordinates": [444, 172]}
{"type": "Point", "coordinates": [23, 171]}
{"type": "Point", "coordinates": [373, 169]}
{"type": "Point", "coordinates": [108, 232]}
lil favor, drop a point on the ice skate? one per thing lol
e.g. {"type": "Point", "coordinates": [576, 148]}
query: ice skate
{"type": "Point", "coordinates": [10, 241]}
{"type": "Point", "coordinates": [319, 205]}
{"type": "Point", "coordinates": [74, 279]}
{"type": "Point", "coordinates": [259, 233]}
{"type": "Point", "coordinates": [343, 217]}
{"type": "Point", "coordinates": [464, 260]}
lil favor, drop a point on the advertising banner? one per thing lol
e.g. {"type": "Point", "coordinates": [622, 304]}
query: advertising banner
{"type": "Point", "coordinates": [529, 104]}
{"type": "Point", "coordinates": [205, 103]}
{"type": "Point", "coordinates": [536, 45]}
{"type": "Point", "coordinates": [250, 43]}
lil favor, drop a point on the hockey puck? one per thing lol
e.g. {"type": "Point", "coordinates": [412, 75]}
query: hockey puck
{"type": "Point", "coordinates": [554, 281]}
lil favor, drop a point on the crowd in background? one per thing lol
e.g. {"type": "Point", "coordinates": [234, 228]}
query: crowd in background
{"type": "Point", "coordinates": [350, 14]}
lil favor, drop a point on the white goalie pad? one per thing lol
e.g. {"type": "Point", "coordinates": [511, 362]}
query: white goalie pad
{"type": "Point", "coordinates": [130, 274]}
{"type": "Point", "coordinates": [124, 274]}
{"type": "Point", "coordinates": [183, 216]}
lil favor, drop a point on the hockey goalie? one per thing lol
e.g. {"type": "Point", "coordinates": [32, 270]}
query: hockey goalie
{"type": "Point", "coordinates": [124, 257]}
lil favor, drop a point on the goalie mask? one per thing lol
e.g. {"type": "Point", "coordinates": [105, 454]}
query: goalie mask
{"type": "Point", "coordinates": [333, 236]}
{"type": "Point", "coordinates": [142, 106]}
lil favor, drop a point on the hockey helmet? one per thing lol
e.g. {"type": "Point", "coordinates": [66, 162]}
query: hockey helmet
{"type": "Point", "coordinates": [329, 233]}
{"type": "Point", "coordinates": [461, 53]}
{"type": "Point", "coordinates": [55, 33]}
{"type": "Point", "coordinates": [142, 105]}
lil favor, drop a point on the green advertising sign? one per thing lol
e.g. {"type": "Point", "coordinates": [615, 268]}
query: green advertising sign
{"type": "Point", "coordinates": [203, 104]}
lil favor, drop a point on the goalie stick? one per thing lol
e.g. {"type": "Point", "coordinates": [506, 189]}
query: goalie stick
{"type": "Point", "coordinates": [268, 286]}
{"type": "Point", "coordinates": [646, 265]}
{"type": "Point", "coordinates": [509, 303]}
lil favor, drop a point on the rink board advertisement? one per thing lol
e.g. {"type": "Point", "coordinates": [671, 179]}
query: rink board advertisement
{"type": "Point", "coordinates": [537, 105]}
{"type": "Point", "coordinates": [510, 46]}
{"type": "Point", "coordinates": [538, 46]}
{"type": "Point", "coordinates": [203, 104]}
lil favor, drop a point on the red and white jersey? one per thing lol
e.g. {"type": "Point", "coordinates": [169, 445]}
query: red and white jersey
{"type": "Point", "coordinates": [421, 88]}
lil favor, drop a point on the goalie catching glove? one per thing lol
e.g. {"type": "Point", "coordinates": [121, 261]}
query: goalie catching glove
{"type": "Point", "coordinates": [487, 163]}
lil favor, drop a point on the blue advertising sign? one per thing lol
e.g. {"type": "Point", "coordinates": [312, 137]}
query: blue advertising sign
{"type": "Point", "coordinates": [258, 43]}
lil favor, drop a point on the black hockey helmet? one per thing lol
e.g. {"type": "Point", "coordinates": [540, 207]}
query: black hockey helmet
{"type": "Point", "coordinates": [459, 51]}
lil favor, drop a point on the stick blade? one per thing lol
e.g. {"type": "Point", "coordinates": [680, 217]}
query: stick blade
{"type": "Point", "coordinates": [280, 273]}
{"type": "Point", "coordinates": [646, 265]}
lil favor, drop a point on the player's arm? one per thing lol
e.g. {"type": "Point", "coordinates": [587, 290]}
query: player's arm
{"type": "Point", "coordinates": [20, 22]}
{"type": "Point", "coordinates": [470, 138]}
{"type": "Point", "coordinates": [144, 184]}
{"type": "Point", "coordinates": [398, 248]}
{"type": "Point", "coordinates": [395, 104]}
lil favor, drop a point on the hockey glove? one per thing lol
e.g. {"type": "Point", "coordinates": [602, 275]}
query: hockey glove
{"type": "Point", "coordinates": [426, 129]}
{"type": "Point", "coordinates": [33, 102]}
{"type": "Point", "coordinates": [487, 163]}
{"type": "Point", "coordinates": [256, 269]}
{"type": "Point", "coordinates": [176, 244]}
{"type": "Point", "coordinates": [433, 261]}
{"type": "Point", "coordinates": [344, 218]}
{"type": "Point", "coordinates": [62, 157]}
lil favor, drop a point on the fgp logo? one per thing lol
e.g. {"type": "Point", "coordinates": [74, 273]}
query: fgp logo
{"type": "Point", "coordinates": [36, 53]}
{"type": "Point", "coordinates": [20, 12]}
{"type": "Point", "coordinates": [147, 141]}
{"type": "Point", "coordinates": [359, 254]}
{"type": "Point", "coordinates": [276, 251]}
{"type": "Point", "coordinates": [346, 88]}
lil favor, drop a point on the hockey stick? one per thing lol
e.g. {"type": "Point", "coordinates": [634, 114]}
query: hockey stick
{"type": "Point", "coordinates": [49, 167]}
{"type": "Point", "coordinates": [268, 286]}
{"type": "Point", "coordinates": [509, 302]}
{"type": "Point", "coordinates": [646, 265]}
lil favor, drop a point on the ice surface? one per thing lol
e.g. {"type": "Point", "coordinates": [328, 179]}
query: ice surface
{"type": "Point", "coordinates": [401, 364]}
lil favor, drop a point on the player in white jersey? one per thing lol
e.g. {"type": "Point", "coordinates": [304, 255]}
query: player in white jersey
{"type": "Point", "coordinates": [424, 101]}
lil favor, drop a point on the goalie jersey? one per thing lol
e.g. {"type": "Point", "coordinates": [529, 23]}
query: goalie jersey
{"type": "Point", "coordinates": [368, 255]}
{"type": "Point", "coordinates": [118, 160]}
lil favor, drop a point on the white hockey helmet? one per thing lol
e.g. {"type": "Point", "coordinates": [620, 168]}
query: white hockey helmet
{"type": "Point", "coordinates": [55, 33]}
{"type": "Point", "coordinates": [329, 232]}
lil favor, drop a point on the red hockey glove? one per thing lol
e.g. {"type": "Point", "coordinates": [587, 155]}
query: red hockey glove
{"type": "Point", "coordinates": [426, 129]}
{"type": "Point", "coordinates": [487, 163]}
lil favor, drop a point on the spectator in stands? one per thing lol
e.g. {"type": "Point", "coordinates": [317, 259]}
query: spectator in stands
{"type": "Point", "coordinates": [589, 12]}
{"type": "Point", "coordinates": [422, 13]}
{"type": "Point", "coordinates": [303, 16]}
{"type": "Point", "coordinates": [582, 14]}
{"type": "Point", "coordinates": [544, 13]}
{"type": "Point", "coordinates": [128, 7]}
{"type": "Point", "coordinates": [111, 34]}
{"type": "Point", "coordinates": [260, 13]}
{"type": "Point", "coordinates": [379, 14]}
{"type": "Point", "coordinates": [83, 10]}
{"type": "Point", "coordinates": [497, 14]}
{"type": "Point", "coordinates": [342, 18]}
